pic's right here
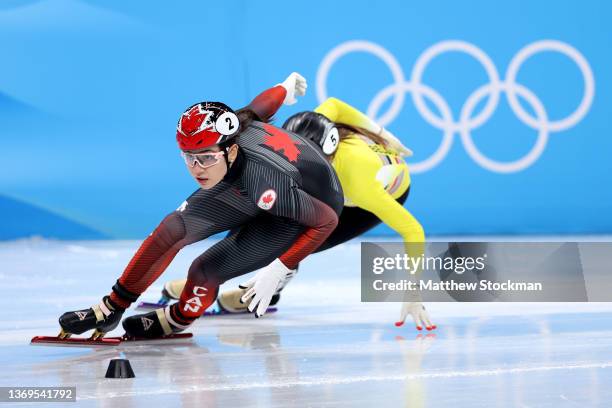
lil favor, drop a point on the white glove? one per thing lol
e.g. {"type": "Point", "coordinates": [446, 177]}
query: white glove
{"type": "Point", "coordinates": [290, 275]}
{"type": "Point", "coordinates": [261, 287]}
{"type": "Point", "coordinates": [296, 85]}
{"type": "Point", "coordinates": [418, 313]}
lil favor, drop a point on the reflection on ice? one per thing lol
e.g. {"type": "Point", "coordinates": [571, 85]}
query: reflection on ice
{"type": "Point", "coordinates": [323, 347]}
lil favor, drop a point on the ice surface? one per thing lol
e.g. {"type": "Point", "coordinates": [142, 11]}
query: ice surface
{"type": "Point", "coordinates": [323, 347]}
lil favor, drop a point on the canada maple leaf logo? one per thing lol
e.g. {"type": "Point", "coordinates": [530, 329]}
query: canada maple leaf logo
{"type": "Point", "coordinates": [195, 120]}
{"type": "Point", "coordinates": [267, 199]}
{"type": "Point", "coordinates": [280, 141]}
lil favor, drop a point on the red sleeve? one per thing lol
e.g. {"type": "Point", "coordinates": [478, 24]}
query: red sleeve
{"type": "Point", "coordinates": [152, 258]}
{"type": "Point", "coordinates": [321, 221]}
{"type": "Point", "coordinates": [268, 102]}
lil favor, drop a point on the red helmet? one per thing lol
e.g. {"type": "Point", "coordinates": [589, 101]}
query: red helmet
{"type": "Point", "coordinates": [206, 124]}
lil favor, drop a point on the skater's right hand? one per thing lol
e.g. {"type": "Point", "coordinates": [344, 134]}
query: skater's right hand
{"type": "Point", "coordinates": [419, 315]}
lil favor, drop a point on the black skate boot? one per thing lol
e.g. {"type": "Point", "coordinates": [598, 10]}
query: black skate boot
{"type": "Point", "coordinates": [150, 325]}
{"type": "Point", "coordinates": [102, 317]}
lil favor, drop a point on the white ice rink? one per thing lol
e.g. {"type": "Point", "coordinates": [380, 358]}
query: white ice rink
{"type": "Point", "coordinates": [323, 347]}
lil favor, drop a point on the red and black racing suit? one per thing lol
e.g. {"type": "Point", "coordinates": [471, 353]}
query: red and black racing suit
{"type": "Point", "coordinates": [280, 199]}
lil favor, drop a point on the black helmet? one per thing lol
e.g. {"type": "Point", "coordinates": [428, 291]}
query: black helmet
{"type": "Point", "coordinates": [315, 127]}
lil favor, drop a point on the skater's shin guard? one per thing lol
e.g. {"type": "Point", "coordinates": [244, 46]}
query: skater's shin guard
{"type": "Point", "coordinates": [195, 299]}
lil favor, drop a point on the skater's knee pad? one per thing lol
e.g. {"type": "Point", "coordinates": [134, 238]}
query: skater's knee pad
{"type": "Point", "coordinates": [205, 270]}
{"type": "Point", "coordinates": [199, 268]}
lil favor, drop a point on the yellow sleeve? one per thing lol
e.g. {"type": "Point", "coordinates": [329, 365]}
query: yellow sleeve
{"type": "Point", "coordinates": [340, 112]}
{"type": "Point", "coordinates": [372, 197]}
{"type": "Point", "coordinates": [362, 189]}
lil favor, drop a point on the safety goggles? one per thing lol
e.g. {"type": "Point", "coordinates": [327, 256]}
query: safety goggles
{"type": "Point", "coordinates": [203, 159]}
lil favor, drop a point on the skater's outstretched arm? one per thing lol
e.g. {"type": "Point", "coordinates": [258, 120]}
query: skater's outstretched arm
{"type": "Point", "coordinates": [267, 103]}
{"type": "Point", "coordinates": [320, 220]}
{"type": "Point", "coordinates": [360, 184]}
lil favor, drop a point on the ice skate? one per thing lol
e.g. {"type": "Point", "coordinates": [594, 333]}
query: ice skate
{"type": "Point", "coordinates": [172, 290]}
{"type": "Point", "coordinates": [102, 318]}
{"type": "Point", "coordinates": [154, 324]}
{"type": "Point", "coordinates": [229, 302]}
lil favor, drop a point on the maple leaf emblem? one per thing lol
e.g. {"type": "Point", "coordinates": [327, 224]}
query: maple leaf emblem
{"type": "Point", "coordinates": [280, 140]}
{"type": "Point", "coordinates": [195, 120]}
{"type": "Point", "coordinates": [268, 199]}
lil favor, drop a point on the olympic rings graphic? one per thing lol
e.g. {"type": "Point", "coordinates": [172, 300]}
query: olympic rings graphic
{"type": "Point", "coordinates": [466, 122]}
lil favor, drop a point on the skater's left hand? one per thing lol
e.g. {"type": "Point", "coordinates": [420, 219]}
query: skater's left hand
{"type": "Point", "coordinates": [261, 287]}
{"type": "Point", "coordinates": [296, 85]}
{"type": "Point", "coordinates": [419, 315]}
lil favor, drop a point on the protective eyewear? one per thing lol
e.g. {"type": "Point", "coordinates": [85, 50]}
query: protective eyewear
{"type": "Point", "coordinates": [203, 159]}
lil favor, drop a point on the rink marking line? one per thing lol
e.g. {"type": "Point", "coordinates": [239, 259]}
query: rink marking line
{"type": "Point", "coordinates": [345, 380]}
